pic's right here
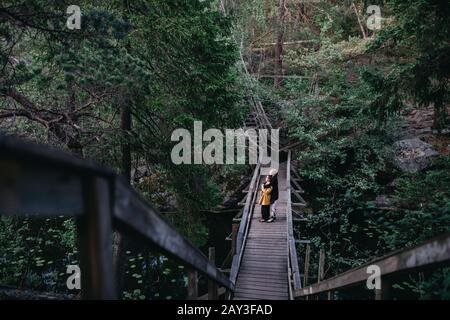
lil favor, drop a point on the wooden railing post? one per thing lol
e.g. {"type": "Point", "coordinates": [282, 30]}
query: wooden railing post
{"type": "Point", "coordinates": [321, 269]}
{"type": "Point", "coordinates": [95, 241]}
{"type": "Point", "coordinates": [385, 292]}
{"type": "Point", "coordinates": [192, 284]}
{"type": "Point", "coordinates": [234, 231]}
{"type": "Point", "coordinates": [212, 286]}
{"type": "Point", "coordinates": [307, 255]}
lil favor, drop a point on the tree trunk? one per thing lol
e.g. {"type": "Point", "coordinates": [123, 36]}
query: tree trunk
{"type": "Point", "coordinates": [125, 126]}
{"type": "Point", "coordinates": [279, 44]}
{"type": "Point", "coordinates": [120, 242]}
{"type": "Point", "coordinates": [363, 30]}
{"type": "Point", "coordinates": [440, 116]}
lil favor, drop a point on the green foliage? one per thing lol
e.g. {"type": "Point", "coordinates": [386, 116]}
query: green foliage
{"type": "Point", "coordinates": [151, 276]}
{"type": "Point", "coordinates": [342, 157]}
{"type": "Point", "coordinates": [386, 92]}
{"type": "Point", "coordinates": [424, 199]}
{"type": "Point", "coordinates": [419, 33]}
{"type": "Point", "coordinates": [35, 254]}
{"type": "Point", "coordinates": [437, 286]}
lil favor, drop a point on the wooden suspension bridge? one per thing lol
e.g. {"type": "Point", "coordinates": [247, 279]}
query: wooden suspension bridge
{"type": "Point", "coordinates": [38, 182]}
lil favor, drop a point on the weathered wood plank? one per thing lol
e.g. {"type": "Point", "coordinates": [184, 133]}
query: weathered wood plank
{"type": "Point", "coordinates": [95, 242]}
{"type": "Point", "coordinates": [262, 294]}
{"type": "Point", "coordinates": [427, 254]}
{"type": "Point", "coordinates": [255, 244]}
{"type": "Point", "coordinates": [274, 254]}
{"type": "Point", "coordinates": [213, 294]}
{"type": "Point", "coordinates": [267, 269]}
{"type": "Point", "coordinates": [192, 284]}
{"type": "Point", "coordinates": [261, 284]}
{"type": "Point", "coordinates": [261, 257]}
{"type": "Point", "coordinates": [18, 150]}
{"type": "Point", "coordinates": [259, 281]}
{"type": "Point", "coordinates": [272, 250]}
{"type": "Point", "coordinates": [264, 259]}
{"type": "Point", "coordinates": [263, 279]}
{"type": "Point", "coordinates": [37, 189]}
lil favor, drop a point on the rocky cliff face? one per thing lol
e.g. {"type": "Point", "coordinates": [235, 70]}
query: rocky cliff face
{"type": "Point", "coordinates": [418, 143]}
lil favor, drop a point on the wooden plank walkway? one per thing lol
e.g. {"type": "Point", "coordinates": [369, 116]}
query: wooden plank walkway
{"type": "Point", "coordinates": [263, 273]}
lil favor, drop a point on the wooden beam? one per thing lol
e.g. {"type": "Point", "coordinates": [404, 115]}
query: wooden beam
{"type": "Point", "coordinates": [32, 188]}
{"type": "Point", "coordinates": [234, 231]}
{"type": "Point", "coordinates": [95, 242]}
{"type": "Point", "coordinates": [307, 257]}
{"type": "Point", "coordinates": [300, 220]}
{"type": "Point", "coordinates": [227, 261]}
{"type": "Point", "coordinates": [39, 180]}
{"type": "Point", "coordinates": [298, 217]}
{"type": "Point", "coordinates": [298, 204]}
{"type": "Point", "coordinates": [293, 259]}
{"type": "Point", "coordinates": [298, 196]}
{"type": "Point", "coordinates": [212, 286]}
{"type": "Point", "coordinates": [428, 254]}
{"type": "Point", "coordinates": [297, 185]}
{"type": "Point", "coordinates": [385, 292]}
{"type": "Point", "coordinates": [17, 149]}
{"type": "Point", "coordinates": [294, 262]}
{"type": "Point", "coordinates": [321, 269]}
{"type": "Point", "coordinates": [192, 284]}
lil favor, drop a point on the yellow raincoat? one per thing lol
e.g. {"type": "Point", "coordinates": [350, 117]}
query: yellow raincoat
{"type": "Point", "coordinates": [265, 196]}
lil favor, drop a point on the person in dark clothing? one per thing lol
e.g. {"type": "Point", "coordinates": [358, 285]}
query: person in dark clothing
{"type": "Point", "coordinates": [274, 194]}
{"type": "Point", "coordinates": [264, 201]}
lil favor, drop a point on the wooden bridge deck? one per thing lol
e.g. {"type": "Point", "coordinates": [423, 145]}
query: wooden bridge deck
{"type": "Point", "coordinates": [264, 270]}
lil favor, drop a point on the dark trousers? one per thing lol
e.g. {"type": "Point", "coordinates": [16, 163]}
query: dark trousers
{"type": "Point", "coordinates": [265, 212]}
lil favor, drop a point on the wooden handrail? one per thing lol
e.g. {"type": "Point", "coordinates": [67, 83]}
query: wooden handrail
{"type": "Point", "coordinates": [245, 224]}
{"type": "Point", "coordinates": [294, 272]}
{"type": "Point", "coordinates": [37, 153]}
{"type": "Point", "coordinates": [428, 254]}
{"type": "Point", "coordinates": [262, 116]}
{"type": "Point", "coordinates": [42, 182]}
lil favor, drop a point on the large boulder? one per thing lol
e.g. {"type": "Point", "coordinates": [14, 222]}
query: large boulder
{"type": "Point", "coordinates": [383, 201]}
{"type": "Point", "coordinates": [413, 155]}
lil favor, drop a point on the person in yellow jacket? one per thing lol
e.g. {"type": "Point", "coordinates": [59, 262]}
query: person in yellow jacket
{"type": "Point", "coordinates": [264, 201]}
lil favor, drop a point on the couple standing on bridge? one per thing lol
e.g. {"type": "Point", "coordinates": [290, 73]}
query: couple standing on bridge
{"type": "Point", "coordinates": [269, 197]}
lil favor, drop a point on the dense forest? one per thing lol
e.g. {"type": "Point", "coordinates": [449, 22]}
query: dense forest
{"type": "Point", "coordinates": [362, 94]}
